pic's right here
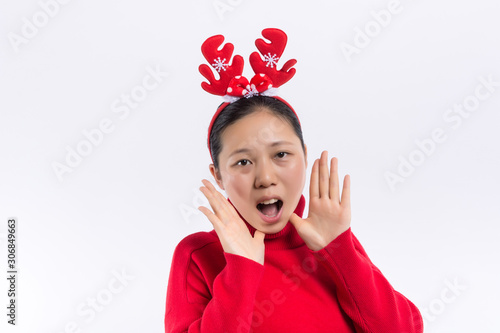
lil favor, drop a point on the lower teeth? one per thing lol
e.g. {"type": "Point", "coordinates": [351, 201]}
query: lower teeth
{"type": "Point", "coordinates": [279, 208]}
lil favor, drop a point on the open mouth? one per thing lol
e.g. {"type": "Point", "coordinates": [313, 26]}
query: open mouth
{"type": "Point", "coordinates": [272, 209]}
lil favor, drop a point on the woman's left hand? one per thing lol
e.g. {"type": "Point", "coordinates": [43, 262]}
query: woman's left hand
{"type": "Point", "coordinates": [329, 215]}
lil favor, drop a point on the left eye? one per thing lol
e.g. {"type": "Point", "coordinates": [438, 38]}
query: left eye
{"type": "Point", "coordinates": [281, 153]}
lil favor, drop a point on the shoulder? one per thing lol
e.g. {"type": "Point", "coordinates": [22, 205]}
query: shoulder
{"type": "Point", "coordinates": [197, 243]}
{"type": "Point", "coordinates": [200, 253]}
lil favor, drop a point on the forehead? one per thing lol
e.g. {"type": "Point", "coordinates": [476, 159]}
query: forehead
{"type": "Point", "coordinates": [257, 130]}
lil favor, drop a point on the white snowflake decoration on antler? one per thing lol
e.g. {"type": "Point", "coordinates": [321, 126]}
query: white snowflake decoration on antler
{"type": "Point", "coordinates": [220, 64]}
{"type": "Point", "coordinates": [271, 60]}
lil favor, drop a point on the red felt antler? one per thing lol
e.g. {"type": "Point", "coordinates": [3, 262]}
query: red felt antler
{"type": "Point", "coordinates": [220, 61]}
{"type": "Point", "coordinates": [272, 53]}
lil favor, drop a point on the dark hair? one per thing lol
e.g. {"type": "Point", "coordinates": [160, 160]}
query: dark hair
{"type": "Point", "coordinates": [244, 107]}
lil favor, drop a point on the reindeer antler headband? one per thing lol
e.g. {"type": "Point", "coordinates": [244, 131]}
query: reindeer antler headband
{"type": "Point", "coordinates": [231, 84]}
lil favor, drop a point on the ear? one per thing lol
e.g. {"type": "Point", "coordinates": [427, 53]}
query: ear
{"type": "Point", "coordinates": [216, 174]}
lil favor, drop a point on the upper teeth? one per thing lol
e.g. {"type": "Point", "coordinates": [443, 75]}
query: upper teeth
{"type": "Point", "coordinates": [268, 202]}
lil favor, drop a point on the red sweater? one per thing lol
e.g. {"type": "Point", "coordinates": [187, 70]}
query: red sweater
{"type": "Point", "coordinates": [336, 289]}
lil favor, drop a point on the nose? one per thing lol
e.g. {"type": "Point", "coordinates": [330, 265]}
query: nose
{"type": "Point", "coordinates": [265, 174]}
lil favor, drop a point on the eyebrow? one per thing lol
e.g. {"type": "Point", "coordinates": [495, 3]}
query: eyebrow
{"type": "Point", "coordinates": [274, 144]}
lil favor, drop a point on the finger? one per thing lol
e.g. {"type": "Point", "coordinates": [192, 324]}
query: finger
{"type": "Point", "coordinates": [216, 202]}
{"type": "Point", "coordinates": [226, 211]}
{"type": "Point", "coordinates": [323, 175]}
{"type": "Point", "coordinates": [215, 192]}
{"type": "Point", "coordinates": [259, 236]}
{"type": "Point", "coordinates": [212, 199]}
{"type": "Point", "coordinates": [313, 185]}
{"type": "Point", "coordinates": [296, 221]}
{"type": "Point", "coordinates": [229, 211]}
{"type": "Point", "coordinates": [211, 217]}
{"type": "Point", "coordinates": [334, 180]}
{"type": "Point", "coordinates": [346, 192]}
{"type": "Point", "coordinates": [210, 186]}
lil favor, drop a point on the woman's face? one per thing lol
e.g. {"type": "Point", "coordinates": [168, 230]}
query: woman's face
{"type": "Point", "coordinates": [262, 157]}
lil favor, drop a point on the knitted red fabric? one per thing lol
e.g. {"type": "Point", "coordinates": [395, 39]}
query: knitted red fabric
{"type": "Point", "coordinates": [336, 289]}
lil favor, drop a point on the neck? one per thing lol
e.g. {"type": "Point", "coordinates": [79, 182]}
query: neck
{"type": "Point", "coordinates": [287, 237]}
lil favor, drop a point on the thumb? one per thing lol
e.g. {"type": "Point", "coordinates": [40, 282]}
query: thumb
{"type": "Point", "coordinates": [296, 221]}
{"type": "Point", "coordinates": [259, 236]}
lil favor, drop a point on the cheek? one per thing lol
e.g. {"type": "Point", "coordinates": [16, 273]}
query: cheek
{"type": "Point", "coordinates": [238, 186]}
{"type": "Point", "coordinates": [297, 167]}
{"type": "Point", "coordinates": [296, 176]}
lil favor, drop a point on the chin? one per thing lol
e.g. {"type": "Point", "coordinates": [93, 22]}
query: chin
{"type": "Point", "coordinates": [272, 228]}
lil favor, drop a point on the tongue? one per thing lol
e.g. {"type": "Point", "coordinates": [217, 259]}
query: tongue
{"type": "Point", "coordinates": [270, 210]}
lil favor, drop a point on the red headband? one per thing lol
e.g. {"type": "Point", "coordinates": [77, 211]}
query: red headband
{"type": "Point", "coordinates": [231, 84]}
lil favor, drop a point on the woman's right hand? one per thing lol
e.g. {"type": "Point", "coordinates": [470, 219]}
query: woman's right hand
{"type": "Point", "coordinates": [230, 228]}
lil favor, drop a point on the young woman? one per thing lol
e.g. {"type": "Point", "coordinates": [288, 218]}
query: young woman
{"type": "Point", "coordinates": [265, 268]}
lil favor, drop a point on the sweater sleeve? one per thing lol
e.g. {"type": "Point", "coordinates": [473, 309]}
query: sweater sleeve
{"type": "Point", "coordinates": [364, 293]}
{"type": "Point", "coordinates": [192, 306]}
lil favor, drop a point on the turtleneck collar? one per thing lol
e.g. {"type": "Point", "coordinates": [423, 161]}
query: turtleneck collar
{"type": "Point", "coordinates": [287, 238]}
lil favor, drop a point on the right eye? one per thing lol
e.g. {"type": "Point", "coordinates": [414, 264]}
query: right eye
{"type": "Point", "coordinates": [242, 161]}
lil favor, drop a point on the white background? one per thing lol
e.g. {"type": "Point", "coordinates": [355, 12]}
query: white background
{"type": "Point", "coordinates": [120, 210]}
